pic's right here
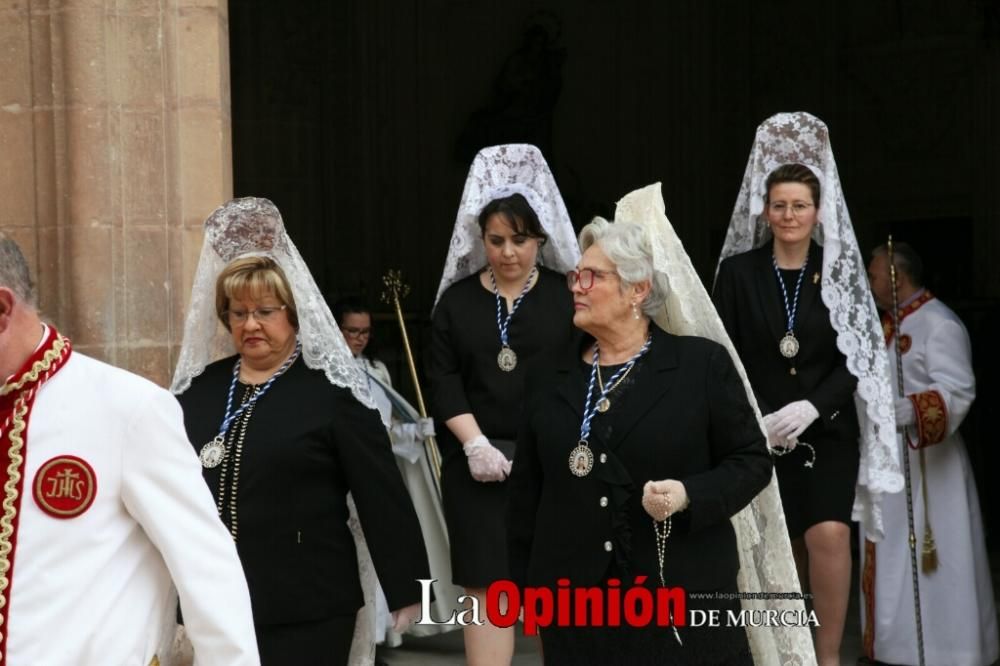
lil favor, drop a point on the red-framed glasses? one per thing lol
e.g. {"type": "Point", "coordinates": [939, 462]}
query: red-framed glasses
{"type": "Point", "coordinates": [586, 277]}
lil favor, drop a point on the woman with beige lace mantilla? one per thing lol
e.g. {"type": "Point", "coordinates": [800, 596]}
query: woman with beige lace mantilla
{"type": "Point", "coordinates": [638, 448]}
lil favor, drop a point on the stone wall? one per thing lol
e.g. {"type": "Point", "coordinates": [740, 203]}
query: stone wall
{"type": "Point", "coordinates": [116, 144]}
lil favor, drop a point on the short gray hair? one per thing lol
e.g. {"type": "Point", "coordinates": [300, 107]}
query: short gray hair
{"type": "Point", "coordinates": [628, 246]}
{"type": "Point", "coordinates": [14, 273]}
{"type": "Point", "coordinates": [906, 259]}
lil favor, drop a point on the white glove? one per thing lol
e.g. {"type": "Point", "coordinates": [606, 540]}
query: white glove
{"type": "Point", "coordinates": [791, 420]}
{"type": "Point", "coordinates": [773, 440]}
{"type": "Point", "coordinates": [404, 617]}
{"type": "Point", "coordinates": [662, 499]}
{"type": "Point", "coordinates": [426, 428]}
{"type": "Point", "coordinates": [486, 462]}
{"type": "Point", "coordinates": [905, 414]}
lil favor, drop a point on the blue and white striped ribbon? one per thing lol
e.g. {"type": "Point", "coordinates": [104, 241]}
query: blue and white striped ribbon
{"type": "Point", "coordinates": [790, 312]}
{"type": "Point", "coordinates": [505, 324]}
{"type": "Point", "coordinates": [590, 407]}
{"type": "Point", "coordinates": [229, 418]}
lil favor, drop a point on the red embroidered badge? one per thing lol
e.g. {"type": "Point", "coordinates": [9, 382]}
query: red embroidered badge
{"type": "Point", "coordinates": [65, 487]}
{"type": "Point", "coordinates": [905, 342]}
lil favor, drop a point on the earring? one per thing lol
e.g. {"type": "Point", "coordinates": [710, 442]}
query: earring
{"type": "Point", "coordinates": [635, 311]}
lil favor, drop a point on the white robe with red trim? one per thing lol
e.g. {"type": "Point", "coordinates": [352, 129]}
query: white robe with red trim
{"type": "Point", "coordinates": [958, 613]}
{"type": "Point", "coordinates": [99, 588]}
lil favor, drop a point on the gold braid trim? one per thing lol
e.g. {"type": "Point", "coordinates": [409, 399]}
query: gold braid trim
{"type": "Point", "coordinates": [928, 554]}
{"type": "Point", "coordinates": [43, 365]}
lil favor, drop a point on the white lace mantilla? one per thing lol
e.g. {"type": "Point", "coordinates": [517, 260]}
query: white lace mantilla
{"type": "Point", "coordinates": [766, 562]}
{"type": "Point", "coordinates": [802, 138]}
{"type": "Point", "coordinates": [497, 172]}
{"type": "Point", "coordinates": [253, 226]}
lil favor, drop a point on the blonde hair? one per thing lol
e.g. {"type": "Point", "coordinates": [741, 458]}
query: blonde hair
{"type": "Point", "coordinates": [254, 277]}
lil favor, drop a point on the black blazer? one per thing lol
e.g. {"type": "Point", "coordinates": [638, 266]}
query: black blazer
{"type": "Point", "coordinates": [748, 299]}
{"type": "Point", "coordinates": [307, 444]}
{"type": "Point", "coordinates": [686, 417]}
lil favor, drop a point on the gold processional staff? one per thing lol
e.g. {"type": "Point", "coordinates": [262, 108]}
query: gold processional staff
{"type": "Point", "coordinates": [395, 291]}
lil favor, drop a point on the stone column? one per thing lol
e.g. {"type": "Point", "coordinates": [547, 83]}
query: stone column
{"type": "Point", "coordinates": [115, 136]}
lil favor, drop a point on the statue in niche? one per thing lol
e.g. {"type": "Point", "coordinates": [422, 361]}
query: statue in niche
{"type": "Point", "coordinates": [524, 94]}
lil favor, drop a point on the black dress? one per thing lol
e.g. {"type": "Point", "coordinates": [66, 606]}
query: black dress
{"type": "Point", "coordinates": [465, 378]}
{"type": "Point", "coordinates": [749, 300]}
{"type": "Point", "coordinates": [305, 444]}
{"type": "Point", "coordinates": [681, 413]}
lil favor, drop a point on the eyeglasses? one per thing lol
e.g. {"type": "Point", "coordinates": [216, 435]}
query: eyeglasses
{"type": "Point", "coordinates": [798, 207]}
{"type": "Point", "coordinates": [585, 276]}
{"type": "Point", "coordinates": [353, 332]}
{"type": "Point", "coordinates": [262, 315]}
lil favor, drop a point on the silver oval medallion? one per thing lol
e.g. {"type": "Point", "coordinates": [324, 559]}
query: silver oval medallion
{"type": "Point", "coordinates": [507, 359]}
{"type": "Point", "coordinates": [213, 453]}
{"type": "Point", "coordinates": [581, 460]}
{"type": "Point", "coordinates": [603, 405]}
{"type": "Point", "coordinates": [789, 346]}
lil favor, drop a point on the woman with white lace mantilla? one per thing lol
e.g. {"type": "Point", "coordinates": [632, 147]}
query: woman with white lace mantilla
{"type": "Point", "coordinates": [805, 327]}
{"type": "Point", "coordinates": [639, 447]}
{"type": "Point", "coordinates": [284, 429]}
{"type": "Point", "coordinates": [502, 305]}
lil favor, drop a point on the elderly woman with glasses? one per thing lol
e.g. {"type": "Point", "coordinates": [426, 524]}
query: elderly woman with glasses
{"type": "Point", "coordinates": [283, 434]}
{"type": "Point", "coordinates": [638, 447]}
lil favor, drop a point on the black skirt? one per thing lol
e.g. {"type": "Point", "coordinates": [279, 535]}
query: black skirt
{"type": "Point", "coordinates": [475, 513]}
{"type": "Point", "coordinates": [323, 642]}
{"type": "Point", "coordinates": [823, 492]}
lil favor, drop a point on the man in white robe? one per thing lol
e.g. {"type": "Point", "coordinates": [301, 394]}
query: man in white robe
{"type": "Point", "coordinates": [956, 598]}
{"type": "Point", "coordinates": [104, 510]}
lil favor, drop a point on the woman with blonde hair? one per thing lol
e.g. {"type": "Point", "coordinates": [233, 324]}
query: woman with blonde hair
{"type": "Point", "coordinates": [284, 428]}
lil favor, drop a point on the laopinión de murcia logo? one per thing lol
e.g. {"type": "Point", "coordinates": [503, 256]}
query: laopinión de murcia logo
{"type": "Point", "coordinates": [610, 606]}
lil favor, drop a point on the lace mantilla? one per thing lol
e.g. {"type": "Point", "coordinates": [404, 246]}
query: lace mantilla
{"type": "Point", "coordinates": [766, 562]}
{"type": "Point", "coordinates": [802, 138]}
{"type": "Point", "coordinates": [253, 226]}
{"type": "Point", "coordinates": [497, 172]}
